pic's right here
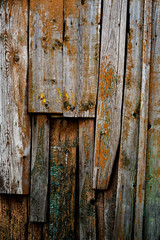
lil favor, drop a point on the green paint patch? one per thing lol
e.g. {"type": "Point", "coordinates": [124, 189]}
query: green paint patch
{"type": "Point", "coordinates": [68, 106]}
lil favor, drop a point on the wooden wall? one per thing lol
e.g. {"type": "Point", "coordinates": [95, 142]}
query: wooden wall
{"type": "Point", "coordinates": [79, 119]}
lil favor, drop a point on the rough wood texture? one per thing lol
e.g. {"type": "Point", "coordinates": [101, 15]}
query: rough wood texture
{"type": "Point", "coordinates": [108, 120]}
{"type": "Point", "coordinates": [14, 121]}
{"type": "Point", "coordinates": [152, 204]}
{"type": "Point", "coordinates": [100, 215]}
{"type": "Point", "coordinates": [13, 217]}
{"type": "Point", "coordinates": [80, 57]}
{"type": "Point", "coordinates": [126, 188]}
{"type": "Point", "coordinates": [143, 126]}
{"type": "Point", "coordinates": [87, 214]}
{"type": "Point", "coordinates": [45, 62]}
{"type": "Point", "coordinates": [39, 168]}
{"type": "Point", "coordinates": [63, 154]}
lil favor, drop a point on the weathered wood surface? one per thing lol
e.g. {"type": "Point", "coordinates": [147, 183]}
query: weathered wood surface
{"type": "Point", "coordinates": [100, 215]}
{"type": "Point", "coordinates": [80, 57]}
{"type": "Point", "coordinates": [63, 155]}
{"type": "Point", "coordinates": [87, 215]}
{"type": "Point", "coordinates": [14, 121]}
{"type": "Point", "coordinates": [108, 120]}
{"type": "Point", "coordinates": [152, 203]}
{"type": "Point", "coordinates": [13, 217]}
{"type": "Point", "coordinates": [46, 60]}
{"type": "Point", "coordinates": [143, 125]}
{"type": "Point", "coordinates": [125, 200]}
{"type": "Point", "coordinates": [110, 203]}
{"type": "Point", "coordinates": [39, 168]}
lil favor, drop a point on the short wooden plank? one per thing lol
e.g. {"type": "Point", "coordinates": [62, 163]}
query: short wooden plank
{"type": "Point", "coordinates": [87, 215]}
{"type": "Point", "coordinates": [14, 121]}
{"type": "Point", "coordinates": [63, 154]}
{"type": "Point", "coordinates": [108, 120]}
{"type": "Point", "coordinates": [152, 203]}
{"type": "Point", "coordinates": [100, 215]}
{"type": "Point", "coordinates": [80, 57]}
{"type": "Point", "coordinates": [39, 168]}
{"type": "Point", "coordinates": [13, 217]}
{"type": "Point", "coordinates": [125, 200]}
{"type": "Point", "coordinates": [110, 204]}
{"type": "Point", "coordinates": [45, 61]}
{"type": "Point", "coordinates": [143, 125]}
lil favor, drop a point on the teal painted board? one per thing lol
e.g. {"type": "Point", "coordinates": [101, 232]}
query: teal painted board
{"type": "Point", "coordinates": [63, 154]}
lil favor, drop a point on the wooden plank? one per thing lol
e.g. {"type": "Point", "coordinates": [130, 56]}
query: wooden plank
{"type": "Point", "coordinates": [45, 62]}
{"type": "Point", "coordinates": [14, 121]}
{"type": "Point", "coordinates": [143, 125]}
{"type": "Point", "coordinates": [39, 168]}
{"type": "Point", "coordinates": [110, 203]}
{"type": "Point", "coordinates": [87, 215]}
{"type": "Point", "coordinates": [63, 154]}
{"type": "Point", "coordinates": [13, 217]}
{"type": "Point", "coordinates": [100, 214]}
{"type": "Point", "coordinates": [152, 203]}
{"type": "Point", "coordinates": [108, 121]}
{"type": "Point", "coordinates": [124, 215]}
{"type": "Point", "coordinates": [80, 57]}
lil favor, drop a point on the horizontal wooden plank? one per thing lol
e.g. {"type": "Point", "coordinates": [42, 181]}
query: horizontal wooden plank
{"type": "Point", "coordinates": [14, 121]}
{"type": "Point", "coordinates": [39, 168]}
{"type": "Point", "coordinates": [108, 121]}
{"type": "Point", "coordinates": [126, 189]}
{"type": "Point", "coordinates": [87, 214]}
{"type": "Point", "coordinates": [63, 155]}
{"type": "Point", "coordinates": [45, 61]}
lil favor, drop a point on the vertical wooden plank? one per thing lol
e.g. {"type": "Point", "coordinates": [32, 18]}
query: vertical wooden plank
{"type": "Point", "coordinates": [45, 62]}
{"type": "Point", "coordinates": [110, 204]}
{"type": "Point", "coordinates": [87, 216]}
{"type": "Point", "coordinates": [100, 215]}
{"type": "Point", "coordinates": [80, 57]}
{"type": "Point", "coordinates": [108, 120]}
{"type": "Point", "coordinates": [143, 126]}
{"type": "Point", "coordinates": [63, 153]}
{"type": "Point", "coordinates": [13, 217]}
{"type": "Point", "coordinates": [39, 168]}
{"type": "Point", "coordinates": [14, 121]}
{"type": "Point", "coordinates": [152, 204]}
{"type": "Point", "coordinates": [124, 215]}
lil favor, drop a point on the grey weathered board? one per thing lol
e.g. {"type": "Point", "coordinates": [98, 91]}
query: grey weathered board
{"type": "Point", "coordinates": [87, 215]}
{"type": "Point", "coordinates": [80, 57]}
{"type": "Point", "coordinates": [152, 196]}
{"type": "Point", "coordinates": [39, 168]}
{"type": "Point", "coordinates": [45, 58]}
{"type": "Point", "coordinates": [14, 121]}
{"type": "Point", "coordinates": [143, 124]}
{"type": "Point", "coordinates": [108, 120]}
{"type": "Point", "coordinates": [126, 187]}
{"type": "Point", "coordinates": [63, 155]}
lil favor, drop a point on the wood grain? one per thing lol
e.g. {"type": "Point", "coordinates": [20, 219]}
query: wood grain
{"type": "Point", "coordinates": [152, 196]}
{"type": "Point", "coordinates": [87, 215]}
{"type": "Point", "coordinates": [143, 125]}
{"type": "Point", "coordinates": [63, 154]}
{"type": "Point", "coordinates": [46, 60]}
{"type": "Point", "coordinates": [80, 57]}
{"type": "Point", "coordinates": [13, 217]}
{"type": "Point", "coordinates": [39, 168]}
{"type": "Point", "coordinates": [125, 200]}
{"type": "Point", "coordinates": [108, 120]}
{"type": "Point", "coordinates": [14, 121]}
